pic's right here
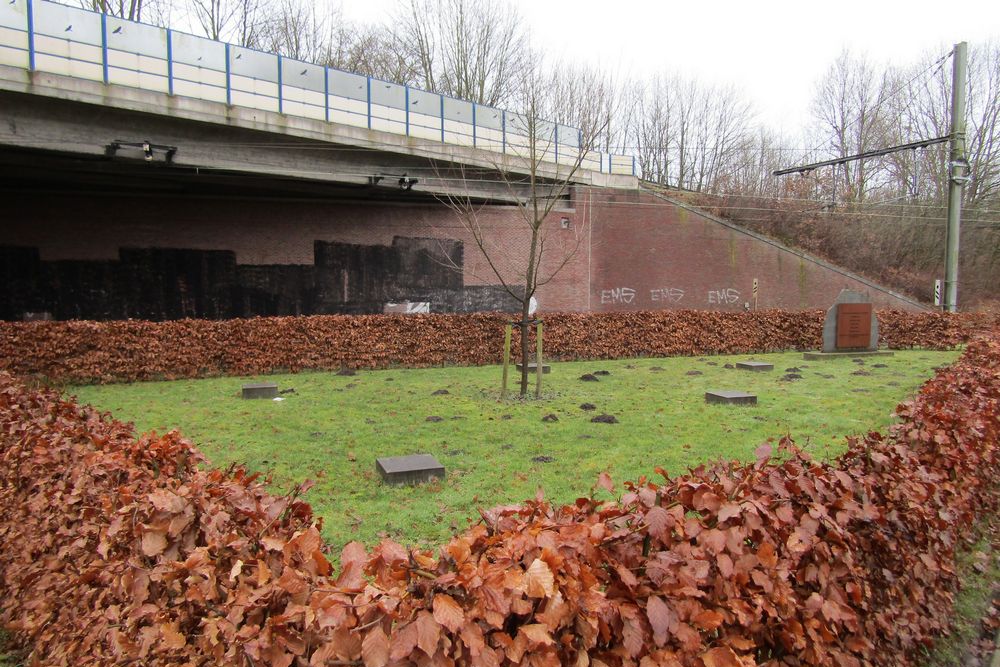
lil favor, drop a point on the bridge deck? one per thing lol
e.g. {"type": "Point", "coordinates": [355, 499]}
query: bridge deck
{"type": "Point", "coordinates": [57, 51]}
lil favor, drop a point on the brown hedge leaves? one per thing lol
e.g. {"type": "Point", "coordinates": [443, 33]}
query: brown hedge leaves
{"type": "Point", "coordinates": [120, 550]}
{"type": "Point", "coordinates": [124, 351]}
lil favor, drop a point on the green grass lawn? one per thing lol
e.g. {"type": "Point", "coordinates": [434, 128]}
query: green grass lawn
{"type": "Point", "coordinates": [332, 428]}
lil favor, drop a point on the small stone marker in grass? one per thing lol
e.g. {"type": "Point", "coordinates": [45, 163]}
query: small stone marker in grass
{"type": "Point", "coordinates": [260, 390]}
{"type": "Point", "coordinates": [533, 368]}
{"type": "Point", "coordinates": [412, 469]}
{"type": "Point", "coordinates": [730, 397]}
{"type": "Point", "coordinates": [754, 366]}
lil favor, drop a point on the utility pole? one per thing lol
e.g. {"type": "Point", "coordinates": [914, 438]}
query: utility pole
{"type": "Point", "coordinates": [957, 174]}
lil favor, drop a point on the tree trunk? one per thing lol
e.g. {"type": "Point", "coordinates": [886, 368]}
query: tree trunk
{"type": "Point", "coordinates": [525, 330]}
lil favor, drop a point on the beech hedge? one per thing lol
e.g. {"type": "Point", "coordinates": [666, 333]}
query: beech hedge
{"type": "Point", "coordinates": [81, 352]}
{"type": "Point", "coordinates": [121, 550]}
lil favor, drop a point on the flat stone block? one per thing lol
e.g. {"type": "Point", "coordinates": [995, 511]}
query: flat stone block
{"type": "Point", "coordinates": [731, 397]}
{"type": "Point", "coordinates": [754, 366]}
{"type": "Point", "coordinates": [815, 356]}
{"type": "Point", "coordinates": [260, 390]}
{"type": "Point", "coordinates": [533, 368]}
{"type": "Point", "coordinates": [412, 469]}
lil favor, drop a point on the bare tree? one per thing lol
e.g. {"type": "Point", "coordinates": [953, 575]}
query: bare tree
{"type": "Point", "coordinates": [688, 135]}
{"type": "Point", "coordinates": [923, 112]}
{"type": "Point", "coordinates": [214, 16]}
{"type": "Point", "coordinates": [539, 186]}
{"type": "Point", "coordinates": [242, 22]}
{"type": "Point", "coordinates": [372, 51]}
{"type": "Point", "coordinates": [577, 92]}
{"type": "Point", "coordinates": [984, 124]}
{"type": "Point", "coordinates": [472, 51]}
{"type": "Point", "coordinates": [851, 117]}
{"type": "Point", "coordinates": [156, 12]}
{"type": "Point", "coordinates": [309, 31]}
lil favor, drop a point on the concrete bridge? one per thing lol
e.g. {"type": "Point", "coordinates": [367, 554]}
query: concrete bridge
{"type": "Point", "coordinates": [87, 96]}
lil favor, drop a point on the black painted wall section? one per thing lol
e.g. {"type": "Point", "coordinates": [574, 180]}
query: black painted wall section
{"type": "Point", "coordinates": [173, 283]}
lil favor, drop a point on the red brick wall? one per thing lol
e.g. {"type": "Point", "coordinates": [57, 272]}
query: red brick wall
{"type": "Point", "coordinates": [71, 227]}
{"type": "Point", "coordinates": [628, 251]}
{"type": "Point", "coordinates": [649, 254]}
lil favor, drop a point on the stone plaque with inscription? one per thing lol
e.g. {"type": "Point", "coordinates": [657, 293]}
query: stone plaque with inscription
{"type": "Point", "coordinates": [850, 324]}
{"type": "Point", "coordinates": [854, 326]}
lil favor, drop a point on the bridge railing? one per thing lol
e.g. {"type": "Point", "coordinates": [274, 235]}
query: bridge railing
{"type": "Point", "coordinates": [38, 35]}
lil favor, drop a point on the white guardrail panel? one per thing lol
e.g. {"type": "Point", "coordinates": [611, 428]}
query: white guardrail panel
{"type": "Point", "coordinates": [137, 55]}
{"type": "Point", "coordinates": [39, 35]}
{"type": "Point", "coordinates": [14, 34]}
{"type": "Point", "coordinates": [68, 41]}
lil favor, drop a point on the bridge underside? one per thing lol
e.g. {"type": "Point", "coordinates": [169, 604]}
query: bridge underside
{"type": "Point", "coordinates": [32, 172]}
{"type": "Point", "coordinates": [49, 144]}
{"type": "Point", "coordinates": [56, 123]}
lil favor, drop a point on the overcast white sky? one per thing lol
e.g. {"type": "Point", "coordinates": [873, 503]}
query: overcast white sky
{"type": "Point", "coordinates": [775, 50]}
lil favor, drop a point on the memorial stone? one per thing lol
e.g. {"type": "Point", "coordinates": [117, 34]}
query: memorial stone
{"type": "Point", "coordinates": [533, 368]}
{"type": "Point", "coordinates": [412, 469]}
{"type": "Point", "coordinates": [731, 397]}
{"type": "Point", "coordinates": [754, 366]}
{"type": "Point", "coordinates": [850, 324]}
{"type": "Point", "coordinates": [260, 390]}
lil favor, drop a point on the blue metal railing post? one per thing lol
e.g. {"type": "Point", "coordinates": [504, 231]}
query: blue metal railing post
{"type": "Point", "coordinates": [441, 97]}
{"type": "Point", "coordinates": [170, 61]}
{"type": "Point", "coordinates": [326, 92]}
{"type": "Point", "coordinates": [104, 45]}
{"type": "Point", "coordinates": [473, 124]}
{"type": "Point", "coordinates": [369, 96]}
{"type": "Point", "coordinates": [31, 35]}
{"type": "Point", "coordinates": [280, 95]}
{"type": "Point", "coordinates": [229, 75]}
{"type": "Point", "coordinates": [407, 105]}
{"type": "Point", "coordinates": [556, 133]}
{"type": "Point", "coordinates": [503, 132]}
{"type": "Point", "coordinates": [633, 165]}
